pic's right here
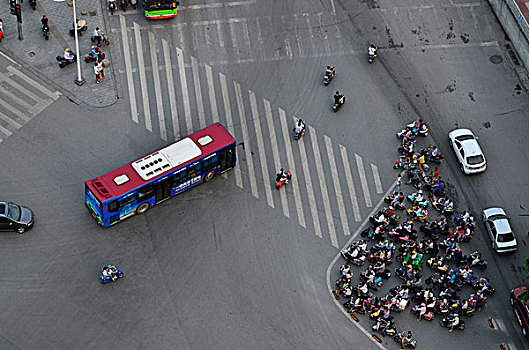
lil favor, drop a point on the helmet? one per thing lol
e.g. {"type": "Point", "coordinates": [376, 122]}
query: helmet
{"type": "Point", "coordinates": [109, 266]}
{"type": "Point", "coordinates": [67, 50]}
{"type": "Point", "coordinates": [420, 191]}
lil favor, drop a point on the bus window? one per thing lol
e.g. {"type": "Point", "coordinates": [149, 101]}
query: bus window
{"type": "Point", "coordinates": [113, 207]}
{"type": "Point", "coordinates": [125, 201]}
{"type": "Point", "coordinates": [194, 171]}
{"type": "Point", "coordinates": [210, 163]}
{"type": "Point", "coordinates": [145, 193]}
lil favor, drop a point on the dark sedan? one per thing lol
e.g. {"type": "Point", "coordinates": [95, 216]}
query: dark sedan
{"type": "Point", "coordinates": [14, 217]}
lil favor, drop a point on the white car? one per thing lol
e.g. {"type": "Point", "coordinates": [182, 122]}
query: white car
{"type": "Point", "coordinates": [499, 229]}
{"type": "Point", "coordinates": [467, 150]}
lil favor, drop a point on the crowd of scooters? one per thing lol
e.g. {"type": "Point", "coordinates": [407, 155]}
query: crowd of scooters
{"type": "Point", "coordinates": [411, 242]}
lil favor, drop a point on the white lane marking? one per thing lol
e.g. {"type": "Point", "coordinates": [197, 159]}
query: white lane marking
{"type": "Point", "coordinates": [185, 93]}
{"type": "Point", "coordinates": [440, 6]}
{"type": "Point", "coordinates": [298, 38]}
{"type": "Point", "coordinates": [337, 187]}
{"type": "Point", "coordinates": [246, 139]}
{"type": "Point", "coordinates": [128, 70]}
{"type": "Point", "coordinates": [13, 110]}
{"type": "Point", "coordinates": [157, 86]}
{"type": "Point", "coordinates": [39, 107]}
{"type": "Point", "coordinates": [217, 5]}
{"type": "Point", "coordinates": [220, 33]}
{"type": "Point", "coordinates": [310, 190]}
{"type": "Point", "coordinates": [323, 186]}
{"type": "Point", "coordinates": [363, 180]}
{"type": "Point", "coordinates": [292, 166]}
{"type": "Point", "coordinates": [333, 8]}
{"type": "Point", "coordinates": [7, 57]}
{"type": "Point", "coordinates": [275, 154]}
{"type": "Point", "coordinates": [170, 88]}
{"type": "Point", "coordinates": [261, 149]}
{"type": "Point", "coordinates": [376, 177]}
{"type": "Point", "coordinates": [17, 99]}
{"type": "Point", "coordinates": [333, 262]}
{"type": "Point", "coordinates": [245, 33]}
{"type": "Point", "coordinates": [212, 97]}
{"type": "Point", "coordinates": [229, 121]}
{"type": "Point", "coordinates": [54, 95]}
{"type": "Point", "coordinates": [288, 48]}
{"type": "Point", "coordinates": [9, 120]}
{"type": "Point", "coordinates": [143, 78]}
{"type": "Point", "coordinates": [323, 33]}
{"type": "Point", "coordinates": [198, 93]}
{"type": "Point", "coordinates": [350, 183]}
{"type": "Point", "coordinates": [234, 36]}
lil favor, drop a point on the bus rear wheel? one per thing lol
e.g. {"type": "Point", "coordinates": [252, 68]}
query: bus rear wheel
{"type": "Point", "coordinates": [209, 176]}
{"type": "Point", "coordinates": [142, 208]}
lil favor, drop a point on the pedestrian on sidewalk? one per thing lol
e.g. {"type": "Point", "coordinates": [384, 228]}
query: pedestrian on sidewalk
{"type": "Point", "coordinates": [1, 30]}
{"type": "Point", "coordinates": [97, 73]}
{"type": "Point", "coordinates": [100, 65]}
{"type": "Point", "coordinates": [399, 182]}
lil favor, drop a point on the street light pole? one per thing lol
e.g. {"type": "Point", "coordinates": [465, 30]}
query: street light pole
{"type": "Point", "coordinates": [80, 80]}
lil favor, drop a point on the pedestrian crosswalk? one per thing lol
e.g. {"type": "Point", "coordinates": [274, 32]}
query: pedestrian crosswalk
{"type": "Point", "coordinates": [173, 93]}
{"type": "Point", "coordinates": [21, 98]}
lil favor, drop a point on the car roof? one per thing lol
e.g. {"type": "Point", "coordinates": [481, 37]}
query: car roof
{"type": "Point", "coordinates": [471, 147]}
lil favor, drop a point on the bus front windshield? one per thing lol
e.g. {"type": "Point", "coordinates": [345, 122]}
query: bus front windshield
{"type": "Point", "coordinates": [159, 4]}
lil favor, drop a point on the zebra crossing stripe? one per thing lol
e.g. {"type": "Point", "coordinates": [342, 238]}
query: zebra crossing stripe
{"type": "Point", "coordinates": [143, 78]}
{"type": "Point", "coordinates": [5, 131]}
{"type": "Point", "coordinates": [229, 120]}
{"type": "Point", "coordinates": [185, 93]}
{"type": "Point", "coordinates": [350, 185]}
{"type": "Point", "coordinates": [22, 89]}
{"type": "Point", "coordinates": [246, 139]}
{"type": "Point", "coordinates": [323, 186]}
{"type": "Point", "coordinates": [275, 153]}
{"type": "Point", "coordinates": [260, 147]}
{"type": "Point", "coordinates": [170, 88]}
{"type": "Point", "coordinates": [376, 177]}
{"type": "Point", "coordinates": [337, 187]}
{"type": "Point", "coordinates": [310, 190]}
{"type": "Point", "coordinates": [212, 97]}
{"type": "Point", "coordinates": [128, 69]}
{"type": "Point", "coordinates": [292, 165]}
{"type": "Point", "coordinates": [157, 87]}
{"type": "Point", "coordinates": [9, 120]}
{"type": "Point", "coordinates": [16, 99]}
{"type": "Point", "coordinates": [198, 93]}
{"type": "Point", "coordinates": [363, 180]}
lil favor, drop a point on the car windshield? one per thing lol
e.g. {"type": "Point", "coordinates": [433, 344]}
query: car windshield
{"type": "Point", "coordinates": [473, 160]}
{"type": "Point", "coordinates": [506, 237]}
{"type": "Point", "coordinates": [465, 137]}
{"type": "Point", "coordinates": [13, 211]}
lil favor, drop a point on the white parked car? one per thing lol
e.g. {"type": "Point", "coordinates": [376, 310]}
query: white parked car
{"type": "Point", "coordinates": [467, 150]}
{"type": "Point", "coordinates": [499, 229]}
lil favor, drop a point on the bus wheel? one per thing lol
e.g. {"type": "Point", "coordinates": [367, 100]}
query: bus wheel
{"type": "Point", "coordinates": [209, 176]}
{"type": "Point", "coordinates": [142, 208]}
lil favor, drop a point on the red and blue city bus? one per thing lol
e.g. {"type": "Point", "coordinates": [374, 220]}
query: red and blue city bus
{"type": "Point", "coordinates": [145, 182]}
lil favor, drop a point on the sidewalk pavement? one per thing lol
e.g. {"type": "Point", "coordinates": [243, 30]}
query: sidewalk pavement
{"type": "Point", "coordinates": [36, 53]}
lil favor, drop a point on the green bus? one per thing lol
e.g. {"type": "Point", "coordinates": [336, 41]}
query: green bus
{"type": "Point", "coordinates": [159, 9]}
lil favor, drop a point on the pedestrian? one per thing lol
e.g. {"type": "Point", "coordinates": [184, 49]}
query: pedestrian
{"type": "Point", "coordinates": [436, 173]}
{"type": "Point", "coordinates": [399, 182]}
{"type": "Point", "coordinates": [100, 65]}
{"type": "Point", "coordinates": [1, 30]}
{"type": "Point", "coordinates": [97, 73]}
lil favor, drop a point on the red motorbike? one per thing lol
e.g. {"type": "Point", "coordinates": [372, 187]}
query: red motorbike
{"type": "Point", "coordinates": [283, 180]}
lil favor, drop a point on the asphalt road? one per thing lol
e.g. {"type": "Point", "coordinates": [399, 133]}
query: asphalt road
{"type": "Point", "coordinates": [204, 274]}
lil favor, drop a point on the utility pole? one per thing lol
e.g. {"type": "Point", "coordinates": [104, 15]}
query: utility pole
{"type": "Point", "coordinates": [80, 80]}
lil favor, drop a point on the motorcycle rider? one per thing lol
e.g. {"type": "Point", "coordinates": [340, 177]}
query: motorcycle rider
{"type": "Point", "coordinates": [329, 70]}
{"type": "Point", "coordinates": [405, 339]}
{"type": "Point", "coordinates": [373, 50]}
{"type": "Point", "coordinates": [112, 4]}
{"type": "Point", "coordinates": [95, 52]}
{"type": "Point", "coordinates": [281, 175]}
{"type": "Point", "coordinates": [44, 23]}
{"type": "Point", "coordinates": [300, 127]}
{"type": "Point", "coordinates": [68, 55]}
{"type": "Point", "coordinates": [97, 36]}
{"type": "Point", "coordinates": [338, 98]}
{"type": "Point", "coordinates": [1, 30]}
{"type": "Point", "coordinates": [454, 321]}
